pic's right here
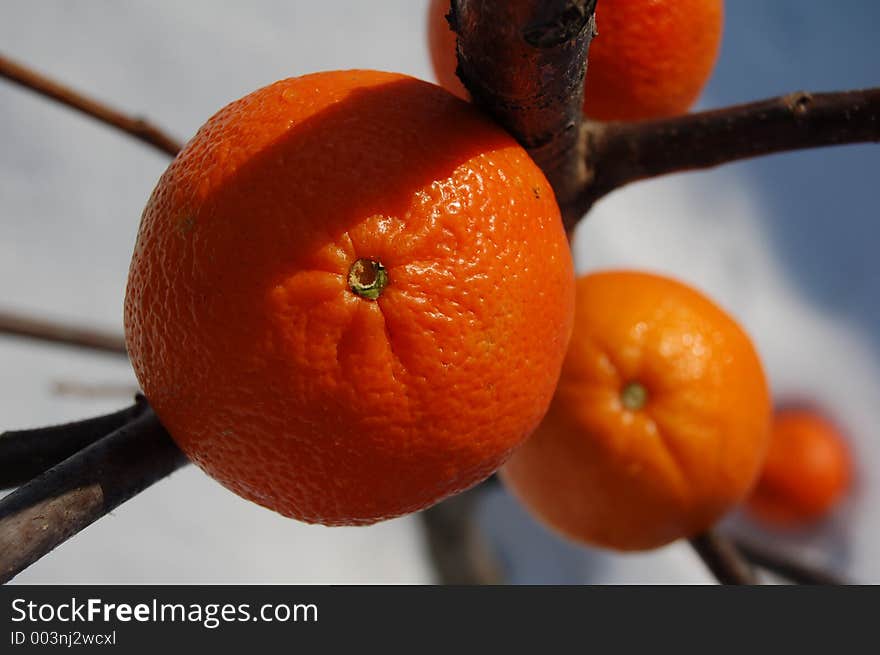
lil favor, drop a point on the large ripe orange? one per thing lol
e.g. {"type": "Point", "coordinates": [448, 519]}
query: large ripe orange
{"type": "Point", "coordinates": [807, 472]}
{"type": "Point", "coordinates": [350, 296]}
{"type": "Point", "coordinates": [651, 58]}
{"type": "Point", "coordinates": [660, 421]}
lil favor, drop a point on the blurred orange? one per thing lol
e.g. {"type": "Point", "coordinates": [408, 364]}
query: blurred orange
{"type": "Point", "coordinates": [808, 470]}
{"type": "Point", "coordinates": [651, 58]}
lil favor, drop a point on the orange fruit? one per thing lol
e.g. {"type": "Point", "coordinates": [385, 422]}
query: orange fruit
{"type": "Point", "coordinates": [807, 472]}
{"type": "Point", "coordinates": [350, 296]}
{"type": "Point", "coordinates": [651, 58]}
{"type": "Point", "coordinates": [660, 421]}
{"type": "Point", "coordinates": [441, 45]}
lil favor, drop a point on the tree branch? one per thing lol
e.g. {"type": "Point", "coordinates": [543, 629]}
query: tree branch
{"type": "Point", "coordinates": [719, 555]}
{"type": "Point", "coordinates": [524, 62]}
{"type": "Point", "coordinates": [136, 127]}
{"type": "Point", "coordinates": [67, 498]}
{"type": "Point", "coordinates": [795, 571]}
{"type": "Point", "coordinates": [93, 390]}
{"type": "Point", "coordinates": [620, 153]}
{"type": "Point", "coordinates": [55, 332]}
{"type": "Point", "coordinates": [722, 559]}
{"type": "Point", "coordinates": [456, 546]}
{"type": "Point", "coordinates": [24, 454]}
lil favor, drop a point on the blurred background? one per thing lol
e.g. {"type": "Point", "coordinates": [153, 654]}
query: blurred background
{"type": "Point", "coordinates": [788, 244]}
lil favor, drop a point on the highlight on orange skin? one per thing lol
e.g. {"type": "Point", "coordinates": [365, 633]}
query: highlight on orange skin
{"type": "Point", "coordinates": [807, 473]}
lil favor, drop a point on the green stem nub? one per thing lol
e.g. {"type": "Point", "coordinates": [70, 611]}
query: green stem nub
{"type": "Point", "coordinates": [367, 278]}
{"type": "Point", "coordinates": [634, 396]}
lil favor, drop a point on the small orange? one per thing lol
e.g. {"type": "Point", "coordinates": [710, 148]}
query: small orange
{"type": "Point", "coordinates": [650, 59]}
{"type": "Point", "coordinates": [807, 472]}
{"type": "Point", "coordinates": [350, 296]}
{"type": "Point", "coordinates": [441, 44]}
{"type": "Point", "coordinates": [660, 421]}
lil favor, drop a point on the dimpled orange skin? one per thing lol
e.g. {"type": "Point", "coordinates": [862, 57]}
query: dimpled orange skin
{"type": "Point", "coordinates": [281, 382]}
{"type": "Point", "coordinates": [651, 58]}
{"type": "Point", "coordinates": [807, 472]}
{"type": "Point", "coordinates": [626, 479]}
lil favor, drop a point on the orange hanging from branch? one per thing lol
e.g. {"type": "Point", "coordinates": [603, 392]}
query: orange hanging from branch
{"type": "Point", "coordinates": [660, 421]}
{"type": "Point", "coordinates": [350, 296]}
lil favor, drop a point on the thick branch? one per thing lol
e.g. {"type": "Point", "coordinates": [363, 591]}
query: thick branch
{"type": "Point", "coordinates": [24, 454]}
{"type": "Point", "coordinates": [722, 558]}
{"type": "Point", "coordinates": [620, 153]}
{"type": "Point", "coordinates": [71, 335]}
{"type": "Point", "coordinates": [795, 571]}
{"type": "Point", "coordinates": [62, 501]}
{"type": "Point", "coordinates": [136, 127]}
{"type": "Point", "coordinates": [524, 62]}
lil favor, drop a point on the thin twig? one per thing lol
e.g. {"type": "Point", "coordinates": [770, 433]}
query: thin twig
{"type": "Point", "coordinates": [24, 454]}
{"type": "Point", "coordinates": [790, 569]}
{"type": "Point", "coordinates": [620, 153]}
{"type": "Point", "coordinates": [136, 127]}
{"type": "Point", "coordinates": [722, 558]}
{"type": "Point", "coordinates": [57, 332]}
{"type": "Point", "coordinates": [62, 501]}
{"type": "Point", "coordinates": [523, 62]}
{"type": "Point", "coordinates": [761, 556]}
{"type": "Point", "coordinates": [93, 390]}
{"type": "Point", "coordinates": [456, 546]}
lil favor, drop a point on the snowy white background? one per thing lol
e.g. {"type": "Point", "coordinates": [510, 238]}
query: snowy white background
{"type": "Point", "coordinates": [788, 244]}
